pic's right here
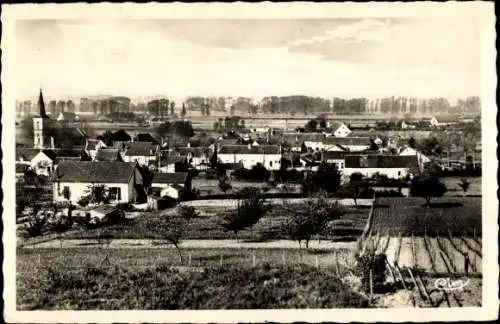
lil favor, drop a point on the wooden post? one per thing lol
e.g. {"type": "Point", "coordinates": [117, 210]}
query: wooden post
{"type": "Point", "coordinates": [253, 259]}
{"type": "Point", "coordinates": [283, 258]}
{"type": "Point", "coordinates": [391, 271]}
{"type": "Point", "coordinates": [221, 261]}
{"type": "Point", "coordinates": [425, 291]}
{"type": "Point", "coordinates": [396, 266]}
{"type": "Point", "coordinates": [316, 261]}
{"type": "Point", "coordinates": [371, 287]}
{"type": "Point", "coordinates": [189, 259]}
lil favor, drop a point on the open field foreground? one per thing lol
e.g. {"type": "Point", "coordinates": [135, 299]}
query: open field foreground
{"type": "Point", "coordinates": [144, 279]}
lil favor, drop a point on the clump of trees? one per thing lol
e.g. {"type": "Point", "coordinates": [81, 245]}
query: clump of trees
{"type": "Point", "coordinates": [327, 179]}
{"type": "Point", "coordinates": [427, 186]}
{"type": "Point", "coordinates": [251, 208]}
{"type": "Point", "coordinates": [311, 218]}
{"type": "Point", "coordinates": [257, 173]}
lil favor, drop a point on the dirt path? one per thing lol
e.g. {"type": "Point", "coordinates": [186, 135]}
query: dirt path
{"type": "Point", "coordinates": [194, 244]}
{"type": "Point", "coordinates": [406, 255]}
{"type": "Point", "coordinates": [423, 259]}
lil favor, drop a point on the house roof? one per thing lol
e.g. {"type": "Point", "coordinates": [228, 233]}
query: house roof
{"type": "Point", "coordinates": [341, 155]}
{"type": "Point", "coordinates": [302, 137]}
{"type": "Point", "coordinates": [381, 161]}
{"type": "Point", "coordinates": [146, 137]}
{"type": "Point", "coordinates": [21, 168]}
{"type": "Point", "coordinates": [246, 149]}
{"type": "Point", "coordinates": [136, 148]}
{"type": "Point", "coordinates": [92, 143]}
{"type": "Point", "coordinates": [26, 153]}
{"type": "Point", "coordinates": [176, 177]}
{"type": "Point", "coordinates": [106, 154]}
{"type": "Point", "coordinates": [95, 171]}
{"type": "Point", "coordinates": [195, 151]}
{"type": "Point", "coordinates": [347, 141]}
{"type": "Point", "coordinates": [335, 125]}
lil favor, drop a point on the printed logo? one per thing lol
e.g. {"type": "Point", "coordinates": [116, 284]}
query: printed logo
{"type": "Point", "coordinates": [449, 284]}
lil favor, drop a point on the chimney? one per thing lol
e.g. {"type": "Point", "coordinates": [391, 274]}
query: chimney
{"type": "Point", "coordinates": [250, 146]}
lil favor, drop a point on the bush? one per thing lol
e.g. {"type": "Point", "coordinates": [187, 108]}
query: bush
{"type": "Point", "coordinates": [256, 173]}
{"type": "Point", "coordinates": [84, 201]}
{"type": "Point", "coordinates": [376, 263]}
{"type": "Point", "coordinates": [188, 212]}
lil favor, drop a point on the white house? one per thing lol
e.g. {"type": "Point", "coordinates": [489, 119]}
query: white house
{"type": "Point", "coordinates": [170, 184]}
{"type": "Point", "coordinates": [339, 129]}
{"type": "Point", "coordinates": [141, 152]}
{"type": "Point", "coordinates": [392, 166]}
{"type": "Point", "coordinates": [422, 159]}
{"type": "Point", "coordinates": [267, 155]}
{"type": "Point", "coordinates": [197, 157]}
{"type": "Point", "coordinates": [94, 145]}
{"type": "Point", "coordinates": [442, 121]}
{"type": "Point", "coordinates": [67, 116]}
{"type": "Point", "coordinates": [313, 141]}
{"type": "Point", "coordinates": [43, 163]}
{"type": "Point", "coordinates": [352, 144]}
{"type": "Point", "coordinates": [405, 125]}
{"type": "Point", "coordinates": [123, 180]}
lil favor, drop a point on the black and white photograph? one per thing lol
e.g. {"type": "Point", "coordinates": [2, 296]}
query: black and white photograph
{"type": "Point", "coordinates": [242, 157]}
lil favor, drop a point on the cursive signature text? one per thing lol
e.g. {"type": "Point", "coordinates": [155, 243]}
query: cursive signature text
{"type": "Point", "coordinates": [449, 284]}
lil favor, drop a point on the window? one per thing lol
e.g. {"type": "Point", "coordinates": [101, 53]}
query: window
{"type": "Point", "coordinates": [65, 189]}
{"type": "Point", "coordinates": [115, 193]}
{"type": "Point", "coordinates": [270, 163]}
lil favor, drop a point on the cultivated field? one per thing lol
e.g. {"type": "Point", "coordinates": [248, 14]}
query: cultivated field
{"type": "Point", "coordinates": [454, 190]}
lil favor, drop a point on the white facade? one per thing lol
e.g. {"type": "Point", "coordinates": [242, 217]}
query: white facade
{"type": "Point", "coordinates": [141, 159]}
{"type": "Point", "coordinates": [422, 159]}
{"type": "Point", "coordinates": [339, 163]}
{"type": "Point", "coordinates": [269, 161]}
{"type": "Point", "coordinates": [167, 190]}
{"type": "Point", "coordinates": [39, 128]}
{"type": "Point", "coordinates": [351, 148]}
{"type": "Point", "coordinates": [167, 168]}
{"type": "Point", "coordinates": [391, 173]}
{"type": "Point", "coordinates": [124, 191]}
{"type": "Point", "coordinates": [315, 146]}
{"type": "Point", "coordinates": [42, 164]}
{"type": "Point", "coordinates": [342, 131]}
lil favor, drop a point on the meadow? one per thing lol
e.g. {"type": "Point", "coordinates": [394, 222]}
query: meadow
{"type": "Point", "coordinates": [407, 216]}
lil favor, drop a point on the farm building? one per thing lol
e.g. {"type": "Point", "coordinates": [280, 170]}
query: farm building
{"type": "Point", "coordinates": [173, 163]}
{"type": "Point", "coordinates": [94, 145]}
{"type": "Point", "coordinates": [170, 184]}
{"type": "Point", "coordinates": [197, 157]}
{"type": "Point", "coordinates": [352, 144]}
{"type": "Point", "coordinates": [123, 180]}
{"type": "Point", "coordinates": [108, 154]}
{"type": "Point", "coordinates": [267, 155]}
{"type": "Point", "coordinates": [422, 159]}
{"type": "Point", "coordinates": [313, 141]}
{"type": "Point", "coordinates": [392, 166]}
{"type": "Point", "coordinates": [338, 129]}
{"type": "Point", "coordinates": [140, 152]}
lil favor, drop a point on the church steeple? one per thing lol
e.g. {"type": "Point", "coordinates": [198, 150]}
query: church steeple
{"type": "Point", "coordinates": [41, 105]}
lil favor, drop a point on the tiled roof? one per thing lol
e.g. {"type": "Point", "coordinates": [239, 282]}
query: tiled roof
{"type": "Point", "coordinates": [335, 125]}
{"type": "Point", "coordinates": [136, 148]}
{"type": "Point", "coordinates": [381, 161]}
{"type": "Point", "coordinates": [195, 151]}
{"type": "Point", "coordinates": [347, 141]}
{"type": "Point", "coordinates": [96, 171]}
{"type": "Point", "coordinates": [146, 137]}
{"type": "Point", "coordinates": [106, 154]}
{"type": "Point", "coordinates": [177, 177]}
{"type": "Point", "coordinates": [21, 168]}
{"type": "Point", "coordinates": [245, 149]}
{"type": "Point", "coordinates": [26, 153]}
{"type": "Point", "coordinates": [292, 138]}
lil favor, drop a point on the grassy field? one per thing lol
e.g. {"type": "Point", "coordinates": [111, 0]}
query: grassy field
{"type": "Point", "coordinates": [142, 279]}
{"type": "Point", "coordinates": [454, 190]}
{"type": "Point", "coordinates": [409, 215]}
{"type": "Point", "coordinates": [208, 225]}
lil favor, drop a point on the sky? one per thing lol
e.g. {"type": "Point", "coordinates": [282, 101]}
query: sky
{"type": "Point", "coordinates": [249, 57]}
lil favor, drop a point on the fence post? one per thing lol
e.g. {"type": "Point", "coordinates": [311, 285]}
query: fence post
{"type": "Point", "coordinates": [189, 259]}
{"type": "Point", "coordinates": [221, 260]}
{"type": "Point", "coordinates": [371, 286]}
{"type": "Point", "coordinates": [316, 261]}
{"type": "Point", "coordinates": [253, 259]}
{"type": "Point", "coordinates": [283, 257]}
